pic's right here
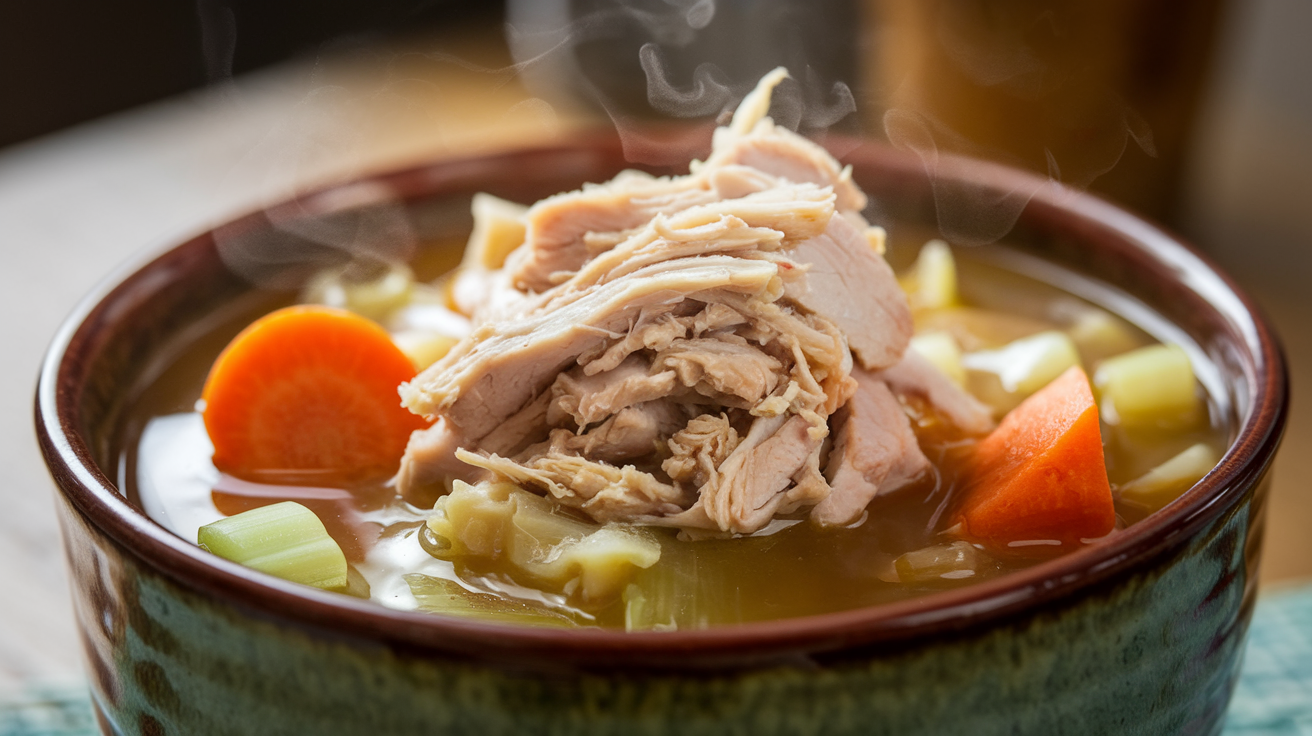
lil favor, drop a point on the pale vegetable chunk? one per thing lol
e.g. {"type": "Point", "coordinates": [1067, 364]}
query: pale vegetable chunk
{"type": "Point", "coordinates": [954, 561]}
{"type": "Point", "coordinates": [1100, 335]}
{"type": "Point", "coordinates": [682, 593]}
{"type": "Point", "coordinates": [1028, 364]}
{"type": "Point", "coordinates": [424, 348]}
{"type": "Point", "coordinates": [933, 283]}
{"type": "Point", "coordinates": [603, 562]}
{"type": "Point", "coordinates": [369, 290]}
{"type": "Point", "coordinates": [1149, 387]}
{"type": "Point", "coordinates": [499, 227]}
{"type": "Point", "coordinates": [284, 539]}
{"type": "Point", "coordinates": [1164, 483]}
{"type": "Point", "coordinates": [436, 595]}
{"type": "Point", "coordinates": [546, 545]}
{"type": "Point", "coordinates": [940, 349]}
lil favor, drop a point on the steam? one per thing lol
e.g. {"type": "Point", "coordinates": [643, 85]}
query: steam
{"type": "Point", "coordinates": [362, 222]}
{"type": "Point", "coordinates": [710, 93]}
{"type": "Point", "coordinates": [1022, 69]}
{"type": "Point", "coordinates": [367, 222]}
{"type": "Point", "coordinates": [968, 214]}
{"type": "Point", "coordinates": [545, 36]}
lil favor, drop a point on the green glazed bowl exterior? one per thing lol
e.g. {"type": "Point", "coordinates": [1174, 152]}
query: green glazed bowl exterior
{"type": "Point", "coordinates": [1141, 633]}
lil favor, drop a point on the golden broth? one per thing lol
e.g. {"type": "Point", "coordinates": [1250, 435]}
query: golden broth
{"type": "Point", "coordinates": [789, 569]}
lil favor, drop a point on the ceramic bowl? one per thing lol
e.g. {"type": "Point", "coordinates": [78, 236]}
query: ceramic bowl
{"type": "Point", "coordinates": [1141, 633]}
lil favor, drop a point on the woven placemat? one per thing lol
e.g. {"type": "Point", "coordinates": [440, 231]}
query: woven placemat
{"type": "Point", "coordinates": [1273, 698]}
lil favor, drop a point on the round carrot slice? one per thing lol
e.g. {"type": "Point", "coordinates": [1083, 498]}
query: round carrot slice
{"type": "Point", "coordinates": [309, 388]}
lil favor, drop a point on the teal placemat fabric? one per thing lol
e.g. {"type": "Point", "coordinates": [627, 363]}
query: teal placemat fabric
{"type": "Point", "coordinates": [1274, 695]}
{"type": "Point", "coordinates": [51, 710]}
{"type": "Point", "coordinates": [1273, 698]}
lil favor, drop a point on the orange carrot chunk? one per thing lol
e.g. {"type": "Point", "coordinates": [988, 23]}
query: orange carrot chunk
{"type": "Point", "coordinates": [309, 392]}
{"type": "Point", "coordinates": [1038, 483]}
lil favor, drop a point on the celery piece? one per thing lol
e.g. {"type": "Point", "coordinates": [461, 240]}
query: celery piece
{"type": "Point", "coordinates": [284, 539]}
{"type": "Point", "coordinates": [935, 277]}
{"type": "Point", "coordinates": [1028, 364]}
{"type": "Point", "coordinates": [370, 290]}
{"type": "Point", "coordinates": [539, 540]}
{"type": "Point", "coordinates": [1152, 386]}
{"type": "Point", "coordinates": [941, 349]}
{"type": "Point", "coordinates": [424, 348]}
{"type": "Point", "coordinates": [499, 227]}
{"type": "Point", "coordinates": [678, 593]}
{"type": "Point", "coordinates": [1164, 483]}
{"type": "Point", "coordinates": [437, 595]}
{"type": "Point", "coordinates": [475, 520]}
{"type": "Point", "coordinates": [955, 561]}
{"type": "Point", "coordinates": [600, 564]}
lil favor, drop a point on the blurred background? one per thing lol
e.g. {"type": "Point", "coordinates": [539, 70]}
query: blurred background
{"type": "Point", "coordinates": [126, 125]}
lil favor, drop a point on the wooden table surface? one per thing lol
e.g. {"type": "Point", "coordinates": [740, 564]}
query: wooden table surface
{"type": "Point", "coordinates": [75, 205]}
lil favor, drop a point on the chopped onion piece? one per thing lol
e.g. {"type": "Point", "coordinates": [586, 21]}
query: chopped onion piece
{"type": "Point", "coordinates": [499, 227]}
{"type": "Point", "coordinates": [953, 561]}
{"type": "Point", "coordinates": [941, 349]}
{"type": "Point", "coordinates": [1028, 364]}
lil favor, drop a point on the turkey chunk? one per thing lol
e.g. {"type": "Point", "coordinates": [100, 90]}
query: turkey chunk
{"type": "Point", "coordinates": [874, 451]}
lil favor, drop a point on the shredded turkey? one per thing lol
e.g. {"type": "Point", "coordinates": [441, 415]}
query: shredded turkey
{"type": "Point", "coordinates": [708, 352]}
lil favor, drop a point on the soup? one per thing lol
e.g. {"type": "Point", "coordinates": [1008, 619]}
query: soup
{"type": "Point", "coordinates": [505, 537]}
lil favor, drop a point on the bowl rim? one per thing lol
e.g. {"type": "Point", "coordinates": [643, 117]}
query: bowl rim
{"type": "Point", "coordinates": [93, 494]}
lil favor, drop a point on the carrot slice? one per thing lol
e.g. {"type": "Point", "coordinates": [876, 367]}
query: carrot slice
{"type": "Point", "coordinates": [309, 389]}
{"type": "Point", "coordinates": [1038, 483]}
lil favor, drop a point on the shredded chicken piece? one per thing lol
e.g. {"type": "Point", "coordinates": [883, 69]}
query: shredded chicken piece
{"type": "Point", "coordinates": [874, 452]}
{"type": "Point", "coordinates": [698, 450]}
{"type": "Point", "coordinates": [588, 399]}
{"type": "Point", "coordinates": [677, 351]}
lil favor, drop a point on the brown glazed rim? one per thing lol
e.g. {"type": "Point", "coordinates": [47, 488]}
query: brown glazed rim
{"type": "Point", "coordinates": [828, 637]}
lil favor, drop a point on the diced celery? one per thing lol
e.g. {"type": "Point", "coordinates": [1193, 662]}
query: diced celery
{"type": "Point", "coordinates": [499, 228]}
{"type": "Point", "coordinates": [935, 277]}
{"type": "Point", "coordinates": [1164, 483]}
{"type": "Point", "coordinates": [955, 561]}
{"type": "Point", "coordinates": [475, 519]}
{"type": "Point", "coordinates": [422, 347]}
{"type": "Point", "coordinates": [602, 563]}
{"type": "Point", "coordinates": [371, 290]}
{"type": "Point", "coordinates": [1028, 364]}
{"type": "Point", "coordinates": [539, 541]}
{"type": "Point", "coordinates": [436, 595]}
{"type": "Point", "coordinates": [1148, 387]}
{"type": "Point", "coordinates": [538, 531]}
{"type": "Point", "coordinates": [284, 539]}
{"type": "Point", "coordinates": [678, 593]}
{"type": "Point", "coordinates": [941, 349]}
